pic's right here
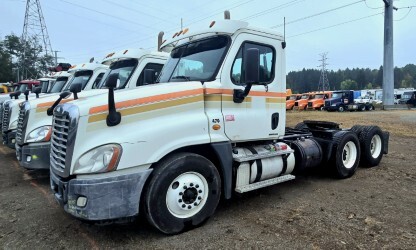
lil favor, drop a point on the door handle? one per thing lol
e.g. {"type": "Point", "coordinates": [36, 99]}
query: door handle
{"type": "Point", "coordinates": [275, 120]}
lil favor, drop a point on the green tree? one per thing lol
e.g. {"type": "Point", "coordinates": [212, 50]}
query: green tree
{"type": "Point", "coordinates": [6, 67]}
{"type": "Point", "coordinates": [349, 84]}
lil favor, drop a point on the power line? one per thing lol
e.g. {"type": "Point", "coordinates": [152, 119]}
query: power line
{"type": "Point", "coordinates": [108, 15]}
{"type": "Point", "coordinates": [331, 26]}
{"type": "Point", "coordinates": [279, 7]}
{"type": "Point", "coordinates": [317, 14]}
{"type": "Point", "coordinates": [410, 9]}
{"type": "Point", "coordinates": [374, 8]}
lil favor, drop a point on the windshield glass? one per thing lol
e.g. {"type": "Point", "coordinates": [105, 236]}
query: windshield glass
{"type": "Point", "coordinates": [124, 69]}
{"type": "Point", "coordinates": [22, 88]}
{"type": "Point", "coordinates": [81, 77]}
{"type": "Point", "coordinates": [292, 97]}
{"type": "Point", "coordinates": [337, 95]}
{"type": "Point", "coordinates": [304, 97]}
{"type": "Point", "coordinates": [407, 95]}
{"type": "Point", "coordinates": [195, 61]}
{"type": "Point", "coordinates": [319, 96]}
{"type": "Point", "coordinates": [59, 84]}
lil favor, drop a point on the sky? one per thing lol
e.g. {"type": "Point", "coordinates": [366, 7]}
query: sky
{"type": "Point", "coordinates": [350, 31]}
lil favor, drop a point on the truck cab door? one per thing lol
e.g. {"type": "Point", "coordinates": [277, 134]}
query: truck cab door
{"type": "Point", "coordinates": [262, 113]}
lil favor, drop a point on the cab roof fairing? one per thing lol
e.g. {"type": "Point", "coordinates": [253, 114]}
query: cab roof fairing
{"type": "Point", "coordinates": [228, 27]}
{"type": "Point", "coordinates": [131, 54]}
{"type": "Point", "coordinates": [87, 66]}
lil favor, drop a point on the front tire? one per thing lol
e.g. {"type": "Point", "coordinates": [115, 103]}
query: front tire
{"type": "Point", "coordinates": [341, 109]}
{"type": "Point", "coordinates": [346, 156]}
{"type": "Point", "coordinates": [183, 192]}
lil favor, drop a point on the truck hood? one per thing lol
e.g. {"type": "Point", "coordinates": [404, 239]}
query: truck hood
{"type": "Point", "coordinates": [98, 104]}
{"type": "Point", "coordinates": [47, 101]}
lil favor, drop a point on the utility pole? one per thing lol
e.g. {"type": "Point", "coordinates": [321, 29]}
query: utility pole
{"type": "Point", "coordinates": [323, 80]}
{"type": "Point", "coordinates": [56, 56]}
{"type": "Point", "coordinates": [388, 65]}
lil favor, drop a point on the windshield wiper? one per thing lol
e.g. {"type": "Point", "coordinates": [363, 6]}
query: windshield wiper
{"type": "Point", "coordinates": [182, 77]}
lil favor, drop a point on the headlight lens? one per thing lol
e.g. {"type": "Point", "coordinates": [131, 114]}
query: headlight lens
{"type": "Point", "coordinates": [98, 160]}
{"type": "Point", "coordinates": [40, 134]}
{"type": "Point", "coordinates": [334, 104]}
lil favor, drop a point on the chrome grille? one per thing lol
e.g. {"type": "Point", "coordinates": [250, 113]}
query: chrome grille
{"type": "Point", "coordinates": [309, 104]}
{"type": "Point", "coordinates": [6, 117]}
{"type": "Point", "coordinates": [22, 122]}
{"type": "Point", "coordinates": [1, 113]}
{"type": "Point", "coordinates": [59, 139]}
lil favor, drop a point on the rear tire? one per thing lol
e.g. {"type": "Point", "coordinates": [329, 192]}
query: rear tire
{"type": "Point", "coordinates": [302, 126]}
{"type": "Point", "coordinates": [372, 146]}
{"type": "Point", "coordinates": [357, 129]}
{"type": "Point", "coordinates": [183, 192]}
{"type": "Point", "coordinates": [346, 156]}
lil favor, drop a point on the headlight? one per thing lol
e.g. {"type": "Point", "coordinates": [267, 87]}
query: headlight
{"type": "Point", "coordinates": [334, 104]}
{"type": "Point", "coordinates": [40, 134]}
{"type": "Point", "coordinates": [98, 160]}
{"type": "Point", "coordinates": [13, 125]}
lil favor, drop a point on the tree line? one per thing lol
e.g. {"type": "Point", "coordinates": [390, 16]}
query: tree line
{"type": "Point", "coordinates": [13, 49]}
{"type": "Point", "coordinates": [307, 80]}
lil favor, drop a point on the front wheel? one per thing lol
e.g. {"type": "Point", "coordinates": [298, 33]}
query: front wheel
{"type": "Point", "coordinates": [341, 109]}
{"type": "Point", "coordinates": [183, 192]}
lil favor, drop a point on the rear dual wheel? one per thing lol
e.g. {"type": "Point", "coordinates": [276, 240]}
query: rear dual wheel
{"type": "Point", "coordinates": [183, 192]}
{"type": "Point", "coordinates": [372, 144]}
{"type": "Point", "coordinates": [346, 156]}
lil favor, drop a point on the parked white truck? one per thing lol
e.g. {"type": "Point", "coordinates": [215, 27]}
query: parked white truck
{"type": "Point", "coordinates": [34, 125]}
{"type": "Point", "coordinates": [10, 108]}
{"type": "Point", "coordinates": [213, 124]}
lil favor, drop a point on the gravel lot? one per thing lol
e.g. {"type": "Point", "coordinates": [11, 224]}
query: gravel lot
{"type": "Point", "coordinates": [373, 209]}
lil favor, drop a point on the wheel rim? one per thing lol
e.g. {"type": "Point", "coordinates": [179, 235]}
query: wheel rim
{"type": "Point", "coordinates": [341, 109]}
{"type": "Point", "coordinates": [187, 194]}
{"type": "Point", "coordinates": [349, 154]}
{"type": "Point", "coordinates": [375, 146]}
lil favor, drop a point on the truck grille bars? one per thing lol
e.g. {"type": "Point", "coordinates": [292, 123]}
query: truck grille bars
{"type": "Point", "coordinates": [22, 122]}
{"type": "Point", "coordinates": [59, 141]}
{"type": "Point", "coordinates": [6, 117]}
{"type": "Point", "coordinates": [64, 130]}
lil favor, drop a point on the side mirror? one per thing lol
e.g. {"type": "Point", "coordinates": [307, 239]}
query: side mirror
{"type": "Point", "coordinates": [27, 94]}
{"type": "Point", "coordinates": [62, 95]}
{"type": "Point", "coordinates": [251, 72]}
{"type": "Point", "coordinates": [75, 89]}
{"type": "Point", "coordinates": [113, 117]}
{"type": "Point", "coordinates": [112, 81]}
{"type": "Point", "coordinates": [37, 90]}
{"type": "Point", "coordinates": [15, 95]}
{"type": "Point", "coordinates": [149, 76]}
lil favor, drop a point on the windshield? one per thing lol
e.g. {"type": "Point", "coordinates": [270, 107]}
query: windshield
{"type": "Point", "coordinates": [124, 69]}
{"type": "Point", "coordinates": [22, 88]}
{"type": "Point", "coordinates": [292, 97]}
{"type": "Point", "coordinates": [407, 95]}
{"type": "Point", "coordinates": [337, 95]}
{"type": "Point", "coordinates": [59, 84]}
{"type": "Point", "coordinates": [195, 61]}
{"type": "Point", "coordinates": [81, 77]}
{"type": "Point", "coordinates": [304, 97]}
{"type": "Point", "coordinates": [319, 96]}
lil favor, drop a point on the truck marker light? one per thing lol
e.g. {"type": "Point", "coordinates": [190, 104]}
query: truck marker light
{"type": "Point", "coordinates": [185, 31]}
{"type": "Point", "coordinates": [180, 32]}
{"type": "Point", "coordinates": [81, 201]}
{"type": "Point", "coordinates": [216, 127]}
{"type": "Point", "coordinates": [212, 24]}
{"type": "Point", "coordinates": [174, 35]}
{"type": "Point", "coordinates": [125, 51]}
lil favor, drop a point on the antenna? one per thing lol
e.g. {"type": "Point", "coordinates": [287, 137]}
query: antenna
{"type": "Point", "coordinates": [284, 33]}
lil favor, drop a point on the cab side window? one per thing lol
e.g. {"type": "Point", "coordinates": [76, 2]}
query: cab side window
{"type": "Point", "coordinates": [267, 61]}
{"type": "Point", "coordinates": [97, 80]}
{"type": "Point", "coordinates": [155, 66]}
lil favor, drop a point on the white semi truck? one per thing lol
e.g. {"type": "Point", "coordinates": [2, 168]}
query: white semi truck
{"type": "Point", "coordinates": [213, 124]}
{"type": "Point", "coordinates": [10, 108]}
{"type": "Point", "coordinates": [34, 125]}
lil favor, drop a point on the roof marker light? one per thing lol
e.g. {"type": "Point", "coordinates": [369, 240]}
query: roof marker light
{"type": "Point", "coordinates": [180, 32]}
{"type": "Point", "coordinates": [83, 65]}
{"type": "Point", "coordinates": [185, 31]}
{"type": "Point", "coordinates": [175, 35]}
{"type": "Point", "coordinates": [212, 24]}
{"type": "Point", "coordinates": [125, 51]}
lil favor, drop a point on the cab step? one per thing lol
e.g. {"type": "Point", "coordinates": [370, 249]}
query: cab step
{"type": "Point", "coordinates": [265, 183]}
{"type": "Point", "coordinates": [261, 156]}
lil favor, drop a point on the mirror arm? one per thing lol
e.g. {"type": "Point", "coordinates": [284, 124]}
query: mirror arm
{"type": "Point", "coordinates": [113, 117]}
{"type": "Point", "coordinates": [239, 95]}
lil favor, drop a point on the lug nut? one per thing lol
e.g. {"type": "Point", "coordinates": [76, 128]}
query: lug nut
{"type": "Point", "coordinates": [185, 187]}
{"type": "Point", "coordinates": [200, 191]}
{"type": "Point", "coordinates": [180, 200]}
{"type": "Point", "coordinates": [197, 186]}
{"type": "Point", "coordinates": [195, 204]}
{"type": "Point", "coordinates": [183, 205]}
{"type": "Point", "coordinates": [189, 207]}
{"type": "Point", "coordinates": [180, 193]}
{"type": "Point", "coordinates": [199, 198]}
{"type": "Point", "coordinates": [191, 184]}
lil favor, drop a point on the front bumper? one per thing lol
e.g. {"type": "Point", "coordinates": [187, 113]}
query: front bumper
{"type": "Point", "coordinates": [331, 108]}
{"type": "Point", "coordinates": [9, 138]}
{"type": "Point", "coordinates": [107, 198]}
{"type": "Point", "coordinates": [34, 156]}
